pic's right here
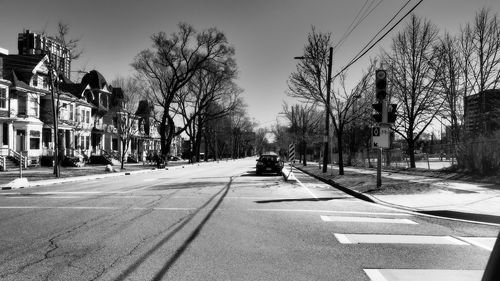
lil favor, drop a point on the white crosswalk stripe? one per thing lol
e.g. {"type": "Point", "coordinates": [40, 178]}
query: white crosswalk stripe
{"type": "Point", "coordinates": [393, 274]}
{"type": "Point", "coordinates": [423, 274]}
{"type": "Point", "coordinates": [397, 239]}
{"type": "Point", "coordinates": [482, 242]}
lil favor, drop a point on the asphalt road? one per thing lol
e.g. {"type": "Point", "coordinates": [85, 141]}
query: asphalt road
{"type": "Point", "coordinates": [222, 222]}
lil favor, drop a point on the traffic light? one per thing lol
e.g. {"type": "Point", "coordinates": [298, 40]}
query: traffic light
{"type": "Point", "coordinates": [377, 116]}
{"type": "Point", "coordinates": [380, 84]}
{"type": "Point", "coordinates": [392, 114]}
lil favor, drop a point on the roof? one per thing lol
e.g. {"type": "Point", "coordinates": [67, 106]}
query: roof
{"type": "Point", "coordinates": [94, 79]}
{"type": "Point", "coordinates": [19, 84]}
{"type": "Point", "coordinates": [144, 108]}
{"type": "Point", "coordinates": [22, 65]}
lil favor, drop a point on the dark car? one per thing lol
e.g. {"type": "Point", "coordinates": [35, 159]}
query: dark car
{"type": "Point", "coordinates": [269, 163]}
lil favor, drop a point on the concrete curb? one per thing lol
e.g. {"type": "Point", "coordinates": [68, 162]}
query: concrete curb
{"type": "Point", "coordinates": [453, 215]}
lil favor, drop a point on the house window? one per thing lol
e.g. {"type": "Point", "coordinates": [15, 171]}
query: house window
{"type": "Point", "coordinates": [3, 98]}
{"type": "Point", "coordinates": [114, 144]}
{"type": "Point", "coordinates": [21, 105]}
{"type": "Point", "coordinates": [35, 80]}
{"type": "Point", "coordinates": [34, 139]}
{"type": "Point", "coordinates": [104, 100]}
{"type": "Point", "coordinates": [87, 142]}
{"type": "Point", "coordinates": [87, 117]}
{"type": "Point", "coordinates": [34, 106]}
{"type": "Point", "coordinates": [45, 82]}
{"type": "Point", "coordinates": [71, 113]}
{"type": "Point", "coordinates": [82, 116]}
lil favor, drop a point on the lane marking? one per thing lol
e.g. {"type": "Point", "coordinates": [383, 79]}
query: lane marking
{"type": "Point", "coordinates": [77, 197]}
{"type": "Point", "coordinates": [333, 212]}
{"type": "Point", "coordinates": [96, 208]}
{"type": "Point", "coordinates": [43, 197]}
{"type": "Point", "coordinates": [398, 239]}
{"type": "Point", "coordinates": [366, 219]}
{"type": "Point", "coordinates": [486, 243]}
{"type": "Point", "coordinates": [308, 190]}
{"type": "Point", "coordinates": [423, 274]}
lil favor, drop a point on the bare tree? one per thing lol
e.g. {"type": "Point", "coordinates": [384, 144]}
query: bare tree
{"type": "Point", "coordinates": [72, 44]}
{"type": "Point", "coordinates": [308, 83]}
{"type": "Point", "coordinates": [305, 125]}
{"type": "Point", "coordinates": [412, 71]}
{"type": "Point", "coordinates": [449, 81]}
{"type": "Point", "coordinates": [127, 92]}
{"type": "Point", "coordinates": [282, 138]}
{"type": "Point", "coordinates": [172, 63]}
{"type": "Point", "coordinates": [211, 94]}
{"type": "Point", "coordinates": [261, 141]}
{"type": "Point", "coordinates": [484, 65]}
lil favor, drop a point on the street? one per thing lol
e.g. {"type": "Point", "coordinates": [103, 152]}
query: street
{"type": "Point", "coordinates": [219, 221]}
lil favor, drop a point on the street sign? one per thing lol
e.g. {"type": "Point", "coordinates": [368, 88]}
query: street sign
{"type": "Point", "coordinates": [291, 152]}
{"type": "Point", "coordinates": [381, 137]}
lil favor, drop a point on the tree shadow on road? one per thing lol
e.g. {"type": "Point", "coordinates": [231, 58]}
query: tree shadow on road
{"type": "Point", "coordinates": [171, 261]}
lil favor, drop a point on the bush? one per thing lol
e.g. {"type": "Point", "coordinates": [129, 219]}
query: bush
{"type": "Point", "coordinates": [481, 155]}
{"type": "Point", "coordinates": [72, 161]}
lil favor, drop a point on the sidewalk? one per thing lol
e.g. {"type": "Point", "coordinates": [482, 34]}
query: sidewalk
{"type": "Point", "coordinates": [44, 175]}
{"type": "Point", "coordinates": [424, 194]}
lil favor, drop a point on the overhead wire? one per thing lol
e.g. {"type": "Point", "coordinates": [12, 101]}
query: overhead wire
{"type": "Point", "coordinates": [349, 30]}
{"type": "Point", "coordinates": [350, 25]}
{"type": "Point", "coordinates": [366, 50]}
{"type": "Point", "coordinates": [375, 36]}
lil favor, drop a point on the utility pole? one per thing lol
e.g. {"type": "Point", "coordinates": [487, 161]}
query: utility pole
{"type": "Point", "coordinates": [55, 121]}
{"type": "Point", "coordinates": [326, 151]}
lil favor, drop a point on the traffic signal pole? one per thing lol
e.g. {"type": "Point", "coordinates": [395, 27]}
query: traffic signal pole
{"type": "Point", "coordinates": [379, 167]}
{"type": "Point", "coordinates": [380, 94]}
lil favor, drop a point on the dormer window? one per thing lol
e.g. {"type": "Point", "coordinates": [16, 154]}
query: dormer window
{"type": "Point", "coordinates": [35, 81]}
{"type": "Point", "coordinates": [45, 82]}
{"type": "Point", "coordinates": [104, 100]}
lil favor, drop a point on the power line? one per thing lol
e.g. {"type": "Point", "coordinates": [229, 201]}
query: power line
{"type": "Point", "coordinates": [393, 17]}
{"type": "Point", "coordinates": [348, 32]}
{"type": "Point", "coordinates": [357, 57]}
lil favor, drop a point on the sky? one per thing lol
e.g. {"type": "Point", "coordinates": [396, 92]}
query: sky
{"type": "Point", "coordinates": [266, 34]}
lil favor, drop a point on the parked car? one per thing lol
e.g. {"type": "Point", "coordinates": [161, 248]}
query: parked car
{"type": "Point", "coordinates": [269, 163]}
{"type": "Point", "coordinates": [175, 158]}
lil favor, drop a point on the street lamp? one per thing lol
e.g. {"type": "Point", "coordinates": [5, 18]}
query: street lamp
{"type": "Point", "coordinates": [327, 117]}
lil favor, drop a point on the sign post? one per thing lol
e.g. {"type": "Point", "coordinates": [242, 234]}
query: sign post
{"type": "Point", "coordinates": [291, 157]}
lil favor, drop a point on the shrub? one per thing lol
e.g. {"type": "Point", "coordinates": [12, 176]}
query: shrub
{"type": "Point", "coordinates": [480, 155]}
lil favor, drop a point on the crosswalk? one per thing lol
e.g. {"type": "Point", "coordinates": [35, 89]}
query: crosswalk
{"type": "Point", "coordinates": [406, 274]}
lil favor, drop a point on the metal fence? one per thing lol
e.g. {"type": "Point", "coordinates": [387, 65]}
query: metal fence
{"type": "Point", "coordinates": [482, 156]}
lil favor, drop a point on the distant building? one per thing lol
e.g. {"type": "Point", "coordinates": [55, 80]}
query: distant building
{"type": "Point", "coordinates": [482, 113]}
{"type": "Point", "coordinates": [30, 43]}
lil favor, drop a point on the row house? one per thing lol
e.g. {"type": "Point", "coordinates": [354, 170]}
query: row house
{"type": "Point", "coordinates": [88, 114]}
{"type": "Point", "coordinates": [24, 84]}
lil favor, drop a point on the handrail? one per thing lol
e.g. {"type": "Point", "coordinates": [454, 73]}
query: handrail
{"type": "Point", "coordinates": [19, 157]}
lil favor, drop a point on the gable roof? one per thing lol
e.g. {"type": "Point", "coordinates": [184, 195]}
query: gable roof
{"type": "Point", "coordinates": [23, 65]}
